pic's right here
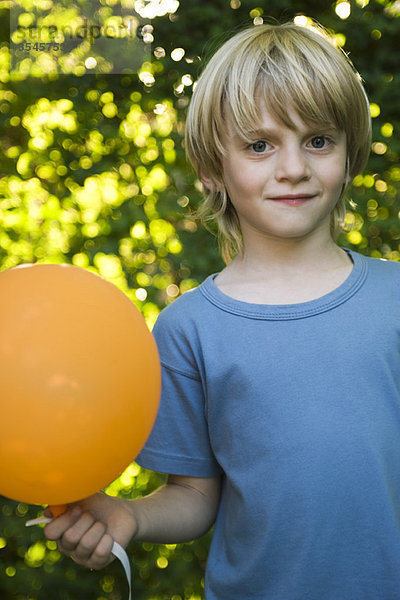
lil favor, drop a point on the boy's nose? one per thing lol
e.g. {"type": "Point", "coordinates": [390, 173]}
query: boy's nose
{"type": "Point", "coordinates": [292, 165]}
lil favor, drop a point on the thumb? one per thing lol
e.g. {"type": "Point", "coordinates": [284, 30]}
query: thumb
{"type": "Point", "coordinates": [48, 512]}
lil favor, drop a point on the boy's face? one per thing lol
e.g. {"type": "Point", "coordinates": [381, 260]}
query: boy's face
{"type": "Point", "coordinates": [285, 183]}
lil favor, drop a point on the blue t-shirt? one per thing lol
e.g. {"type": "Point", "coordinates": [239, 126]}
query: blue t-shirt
{"type": "Point", "coordinates": [298, 408]}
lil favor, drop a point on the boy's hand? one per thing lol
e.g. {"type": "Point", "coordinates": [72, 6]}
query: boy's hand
{"type": "Point", "coordinates": [87, 530]}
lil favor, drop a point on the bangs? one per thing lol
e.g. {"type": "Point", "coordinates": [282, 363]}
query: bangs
{"type": "Point", "coordinates": [285, 83]}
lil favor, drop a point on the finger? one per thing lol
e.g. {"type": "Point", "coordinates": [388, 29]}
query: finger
{"type": "Point", "coordinates": [47, 511]}
{"type": "Point", "coordinates": [101, 555]}
{"type": "Point", "coordinates": [88, 542]}
{"type": "Point", "coordinates": [57, 527]}
{"type": "Point", "coordinates": [71, 537]}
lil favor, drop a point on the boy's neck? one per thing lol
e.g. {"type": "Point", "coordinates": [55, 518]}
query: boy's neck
{"type": "Point", "coordinates": [286, 272]}
{"type": "Point", "coordinates": [289, 254]}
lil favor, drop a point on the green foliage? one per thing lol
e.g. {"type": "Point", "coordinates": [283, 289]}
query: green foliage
{"type": "Point", "coordinates": [93, 173]}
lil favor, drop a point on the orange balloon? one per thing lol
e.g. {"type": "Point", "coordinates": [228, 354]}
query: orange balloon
{"type": "Point", "coordinates": [79, 383]}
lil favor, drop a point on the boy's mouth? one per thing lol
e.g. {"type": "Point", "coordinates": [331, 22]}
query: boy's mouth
{"type": "Point", "coordinates": [292, 199]}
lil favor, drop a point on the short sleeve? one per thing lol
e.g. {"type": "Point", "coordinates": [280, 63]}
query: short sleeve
{"type": "Point", "coordinates": [179, 443]}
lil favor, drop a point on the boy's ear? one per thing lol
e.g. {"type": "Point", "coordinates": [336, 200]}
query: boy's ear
{"type": "Point", "coordinates": [206, 181]}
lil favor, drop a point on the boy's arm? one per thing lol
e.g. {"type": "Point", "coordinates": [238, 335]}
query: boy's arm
{"type": "Point", "coordinates": [183, 509]}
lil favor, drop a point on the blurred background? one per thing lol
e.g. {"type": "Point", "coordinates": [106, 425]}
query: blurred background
{"type": "Point", "coordinates": [93, 173]}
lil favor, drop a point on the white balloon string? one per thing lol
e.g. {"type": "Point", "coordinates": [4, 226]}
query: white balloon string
{"type": "Point", "coordinates": [122, 556]}
{"type": "Point", "coordinates": [40, 521]}
{"type": "Point", "coordinates": [116, 549]}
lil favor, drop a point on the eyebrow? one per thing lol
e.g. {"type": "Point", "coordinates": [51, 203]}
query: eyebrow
{"type": "Point", "coordinates": [263, 132]}
{"type": "Point", "coordinates": [253, 135]}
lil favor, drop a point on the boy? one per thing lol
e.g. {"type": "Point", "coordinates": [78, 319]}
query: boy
{"type": "Point", "coordinates": [280, 410]}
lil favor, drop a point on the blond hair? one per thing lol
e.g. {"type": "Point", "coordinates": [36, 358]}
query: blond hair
{"type": "Point", "coordinates": [291, 68]}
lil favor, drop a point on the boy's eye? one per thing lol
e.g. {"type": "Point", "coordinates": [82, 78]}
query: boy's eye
{"type": "Point", "coordinates": [319, 142]}
{"type": "Point", "coordinates": [259, 146]}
